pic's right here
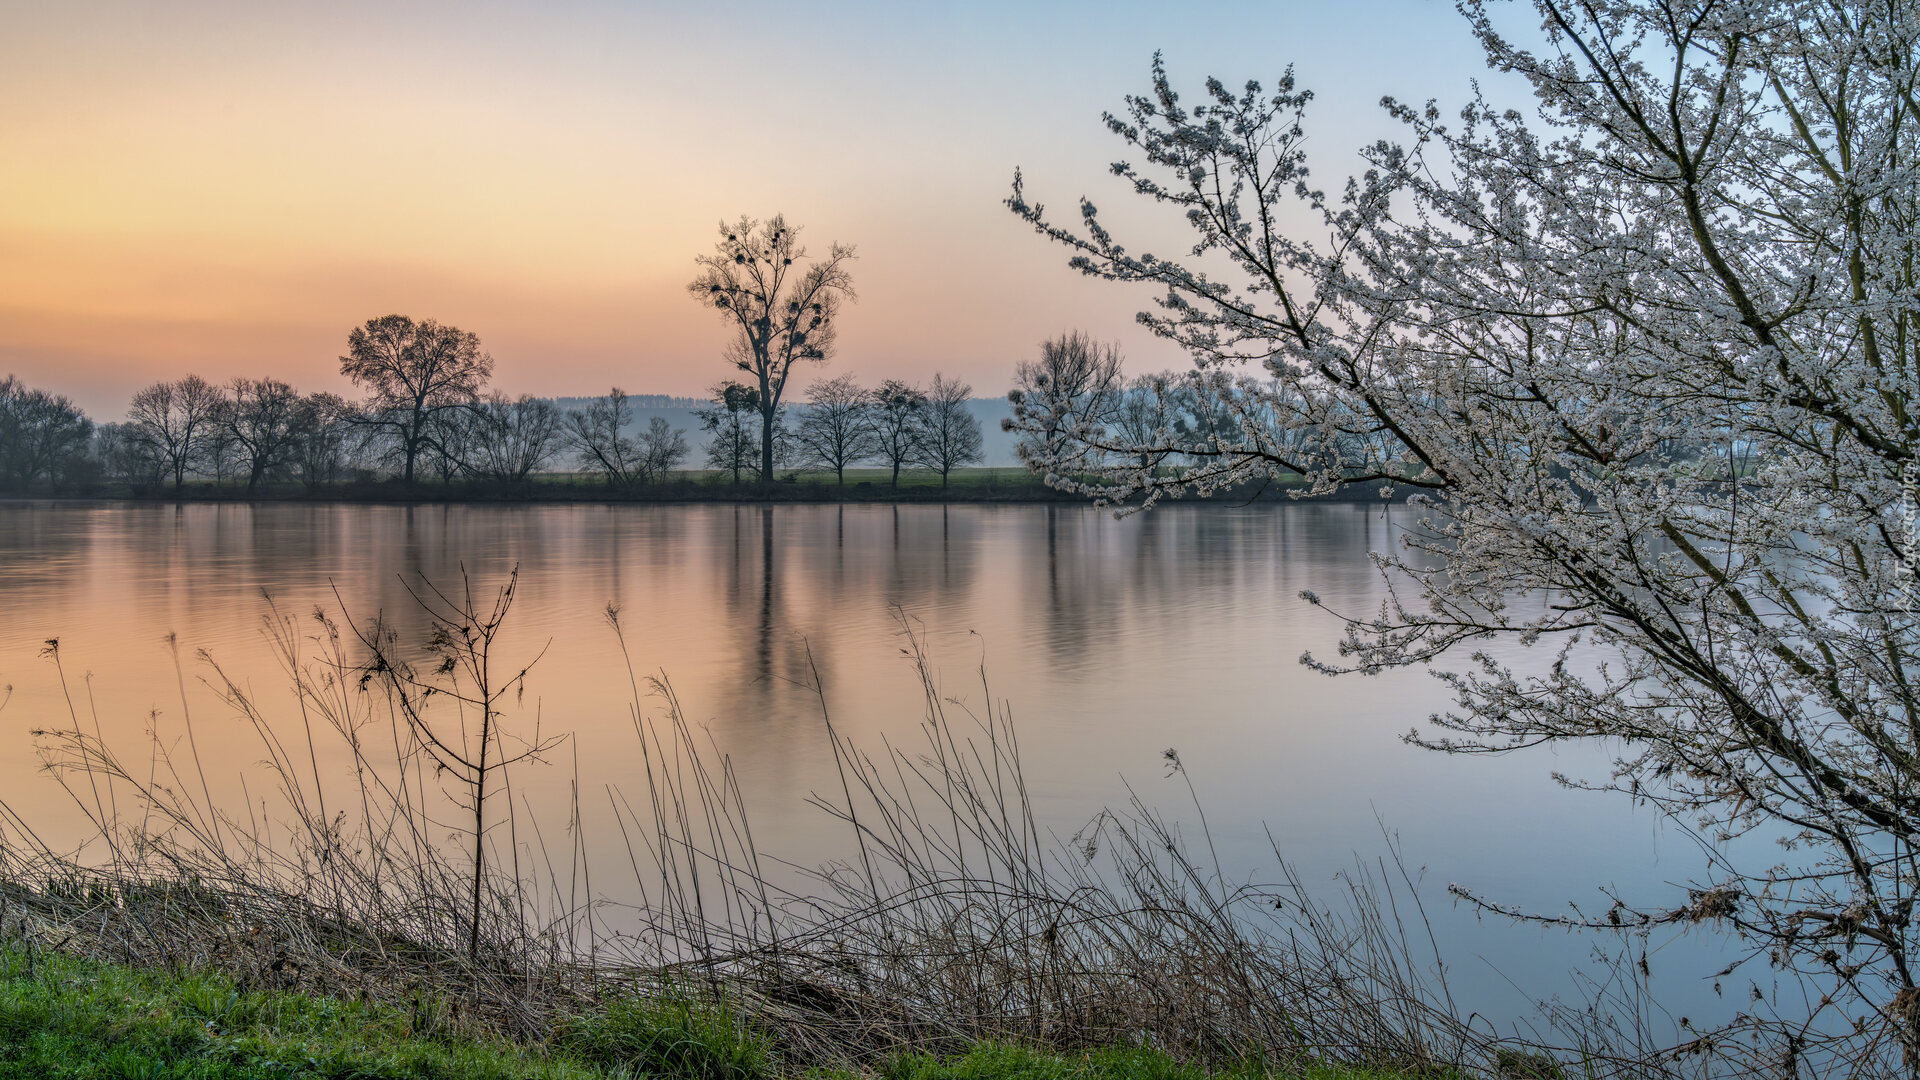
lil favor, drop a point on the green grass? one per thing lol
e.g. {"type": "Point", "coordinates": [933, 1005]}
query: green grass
{"type": "Point", "coordinates": [68, 1019]}
{"type": "Point", "coordinates": [65, 1018]}
{"type": "Point", "coordinates": [668, 1037]}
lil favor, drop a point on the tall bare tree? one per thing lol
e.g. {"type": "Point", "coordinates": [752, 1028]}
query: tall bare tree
{"type": "Point", "coordinates": [783, 309]}
{"type": "Point", "coordinates": [174, 419]}
{"type": "Point", "coordinates": [43, 436]}
{"type": "Point", "coordinates": [413, 372]}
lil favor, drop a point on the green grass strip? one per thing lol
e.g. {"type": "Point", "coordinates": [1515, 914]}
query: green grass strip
{"type": "Point", "coordinates": [67, 1018]}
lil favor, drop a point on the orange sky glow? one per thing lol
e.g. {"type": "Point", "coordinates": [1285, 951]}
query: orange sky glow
{"type": "Point", "coordinates": [228, 188]}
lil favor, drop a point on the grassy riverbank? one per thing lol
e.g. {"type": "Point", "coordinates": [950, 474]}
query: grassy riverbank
{"type": "Point", "coordinates": [63, 1017]}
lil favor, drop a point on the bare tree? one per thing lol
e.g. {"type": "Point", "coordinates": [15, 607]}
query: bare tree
{"type": "Point", "coordinates": [471, 757]}
{"type": "Point", "coordinates": [322, 430]}
{"type": "Point", "coordinates": [260, 417]}
{"type": "Point", "coordinates": [834, 430]}
{"type": "Point", "coordinates": [1080, 379]}
{"type": "Point", "coordinates": [514, 436]}
{"type": "Point", "coordinates": [734, 445]}
{"type": "Point", "coordinates": [948, 434]}
{"type": "Point", "coordinates": [125, 456]}
{"type": "Point", "coordinates": [413, 372]}
{"type": "Point", "coordinates": [452, 446]}
{"type": "Point", "coordinates": [895, 423]}
{"type": "Point", "coordinates": [662, 448]}
{"type": "Point", "coordinates": [174, 419]}
{"type": "Point", "coordinates": [782, 309]}
{"type": "Point", "coordinates": [597, 435]}
{"type": "Point", "coordinates": [43, 436]}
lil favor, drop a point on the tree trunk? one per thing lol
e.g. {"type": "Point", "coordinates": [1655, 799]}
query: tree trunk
{"type": "Point", "coordinates": [416, 438]}
{"type": "Point", "coordinates": [766, 444]}
{"type": "Point", "coordinates": [480, 823]}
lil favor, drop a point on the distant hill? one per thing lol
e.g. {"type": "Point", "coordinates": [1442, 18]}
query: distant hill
{"type": "Point", "coordinates": [997, 445]}
{"type": "Point", "coordinates": [639, 401]}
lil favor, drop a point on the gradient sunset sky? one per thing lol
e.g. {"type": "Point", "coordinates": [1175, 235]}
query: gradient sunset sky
{"type": "Point", "coordinates": [228, 187]}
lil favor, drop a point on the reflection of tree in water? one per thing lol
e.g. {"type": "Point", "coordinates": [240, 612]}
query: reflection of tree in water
{"type": "Point", "coordinates": [792, 580]}
{"type": "Point", "coordinates": [773, 655]}
{"type": "Point", "coordinates": [1177, 568]}
{"type": "Point", "coordinates": [200, 570]}
{"type": "Point", "coordinates": [412, 547]}
{"type": "Point", "coordinates": [932, 560]}
{"type": "Point", "coordinates": [606, 545]}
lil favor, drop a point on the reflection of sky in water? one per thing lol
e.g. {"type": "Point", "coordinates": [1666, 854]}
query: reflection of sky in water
{"type": "Point", "coordinates": [1111, 641]}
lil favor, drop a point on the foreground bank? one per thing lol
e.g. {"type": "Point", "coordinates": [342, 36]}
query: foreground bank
{"type": "Point", "coordinates": [66, 1017]}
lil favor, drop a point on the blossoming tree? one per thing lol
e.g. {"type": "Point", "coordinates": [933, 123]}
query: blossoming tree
{"type": "Point", "coordinates": [1651, 353]}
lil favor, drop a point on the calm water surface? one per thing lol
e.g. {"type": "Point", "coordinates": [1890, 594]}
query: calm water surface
{"type": "Point", "coordinates": [1111, 640]}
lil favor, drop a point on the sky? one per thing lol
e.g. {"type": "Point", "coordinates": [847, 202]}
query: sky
{"type": "Point", "coordinates": [229, 187]}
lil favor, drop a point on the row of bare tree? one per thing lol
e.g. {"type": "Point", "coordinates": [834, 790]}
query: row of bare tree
{"type": "Point", "coordinates": [425, 411]}
{"type": "Point", "coordinates": [426, 414]}
{"type": "Point", "coordinates": [843, 424]}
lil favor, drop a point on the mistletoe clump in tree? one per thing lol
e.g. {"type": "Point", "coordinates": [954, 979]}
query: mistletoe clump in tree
{"type": "Point", "coordinates": [734, 447]}
{"type": "Point", "coordinates": [1650, 353]}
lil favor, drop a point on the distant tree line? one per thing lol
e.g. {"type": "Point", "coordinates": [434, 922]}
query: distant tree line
{"type": "Point", "coordinates": [1085, 424]}
{"type": "Point", "coordinates": [426, 415]}
{"type": "Point", "coordinates": [841, 425]}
